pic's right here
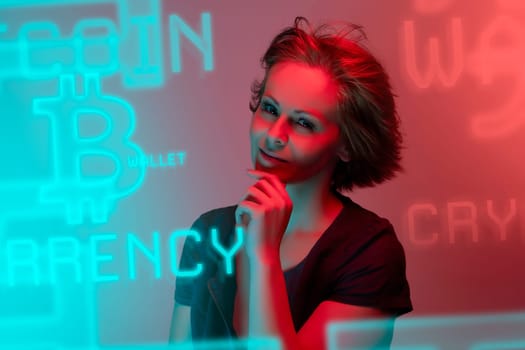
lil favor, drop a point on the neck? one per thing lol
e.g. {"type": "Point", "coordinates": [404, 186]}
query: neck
{"type": "Point", "coordinates": [313, 205]}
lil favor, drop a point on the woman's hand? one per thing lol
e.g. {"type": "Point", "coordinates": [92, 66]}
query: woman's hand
{"type": "Point", "coordinates": [264, 213]}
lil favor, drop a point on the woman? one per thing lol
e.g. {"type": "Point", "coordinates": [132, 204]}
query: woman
{"type": "Point", "coordinates": [324, 120]}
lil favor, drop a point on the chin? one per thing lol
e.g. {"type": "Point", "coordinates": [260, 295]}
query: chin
{"type": "Point", "coordinates": [282, 174]}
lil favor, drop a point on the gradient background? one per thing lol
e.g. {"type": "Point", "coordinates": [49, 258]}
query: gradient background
{"type": "Point", "coordinates": [459, 208]}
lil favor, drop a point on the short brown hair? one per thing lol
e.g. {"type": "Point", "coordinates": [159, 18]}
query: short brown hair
{"type": "Point", "coordinates": [366, 109]}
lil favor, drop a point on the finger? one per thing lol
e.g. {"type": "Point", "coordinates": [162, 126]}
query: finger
{"type": "Point", "coordinates": [242, 216]}
{"type": "Point", "coordinates": [245, 212]}
{"type": "Point", "coordinates": [268, 189]}
{"type": "Point", "coordinates": [260, 172]}
{"type": "Point", "coordinates": [244, 219]}
{"type": "Point", "coordinates": [277, 194]}
{"type": "Point", "coordinates": [273, 199]}
{"type": "Point", "coordinates": [255, 172]}
{"type": "Point", "coordinates": [255, 194]}
{"type": "Point", "coordinates": [272, 178]}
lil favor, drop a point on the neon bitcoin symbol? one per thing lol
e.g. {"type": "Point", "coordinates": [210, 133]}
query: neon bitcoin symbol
{"type": "Point", "coordinates": [72, 115]}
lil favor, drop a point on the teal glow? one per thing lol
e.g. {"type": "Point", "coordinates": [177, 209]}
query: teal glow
{"type": "Point", "coordinates": [474, 332]}
{"type": "Point", "coordinates": [68, 322]}
{"type": "Point", "coordinates": [268, 343]}
{"type": "Point", "coordinates": [30, 262]}
{"type": "Point", "coordinates": [84, 48]}
{"type": "Point", "coordinates": [203, 43]}
{"type": "Point", "coordinates": [142, 24]}
{"type": "Point", "coordinates": [88, 115]}
{"type": "Point", "coordinates": [501, 345]}
{"type": "Point", "coordinates": [24, 262]}
{"type": "Point", "coordinates": [96, 258]}
{"type": "Point", "coordinates": [21, 320]}
{"type": "Point", "coordinates": [152, 255]}
{"type": "Point", "coordinates": [68, 71]}
{"type": "Point", "coordinates": [228, 255]}
{"type": "Point", "coordinates": [30, 48]}
{"type": "Point", "coordinates": [160, 160]}
{"type": "Point", "coordinates": [68, 255]}
{"type": "Point", "coordinates": [174, 261]}
{"type": "Point", "coordinates": [134, 48]}
{"type": "Point", "coordinates": [182, 157]}
{"type": "Point", "coordinates": [91, 48]}
{"type": "Point", "coordinates": [69, 187]}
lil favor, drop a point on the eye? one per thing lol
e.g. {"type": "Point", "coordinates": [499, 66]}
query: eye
{"type": "Point", "coordinates": [268, 108]}
{"type": "Point", "coordinates": [305, 124]}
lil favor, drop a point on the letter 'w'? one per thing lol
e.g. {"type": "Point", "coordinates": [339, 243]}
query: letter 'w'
{"type": "Point", "coordinates": [424, 79]}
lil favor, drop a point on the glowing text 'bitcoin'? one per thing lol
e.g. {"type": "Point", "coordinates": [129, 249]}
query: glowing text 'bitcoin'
{"type": "Point", "coordinates": [134, 47]}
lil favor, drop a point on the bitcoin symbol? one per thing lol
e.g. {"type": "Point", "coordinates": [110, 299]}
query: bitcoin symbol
{"type": "Point", "coordinates": [74, 153]}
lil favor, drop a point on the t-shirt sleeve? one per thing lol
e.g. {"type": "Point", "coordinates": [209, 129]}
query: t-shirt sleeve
{"type": "Point", "coordinates": [191, 256]}
{"type": "Point", "coordinates": [375, 277]}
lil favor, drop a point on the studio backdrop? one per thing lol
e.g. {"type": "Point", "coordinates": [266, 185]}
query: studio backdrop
{"type": "Point", "coordinates": [124, 120]}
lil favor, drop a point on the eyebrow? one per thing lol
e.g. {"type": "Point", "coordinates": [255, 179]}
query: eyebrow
{"type": "Point", "coordinates": [313, 114]}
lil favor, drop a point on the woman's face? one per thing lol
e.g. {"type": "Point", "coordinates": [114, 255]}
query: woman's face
{"type": "Point", "coordinates": [296, 123]}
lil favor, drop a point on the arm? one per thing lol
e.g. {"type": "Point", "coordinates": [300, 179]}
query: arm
{"type": "Point", "coordinates": [270, 314]}
{"type": "Point", "coordinates": [264, 213]}
{"type": "Point", "coordinates": [314, 335]}
{"type": "Point", "coordinates": [180, 328]}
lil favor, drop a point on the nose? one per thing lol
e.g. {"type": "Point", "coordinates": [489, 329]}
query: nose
{"type": "Point", "coordinates": [277, 135]}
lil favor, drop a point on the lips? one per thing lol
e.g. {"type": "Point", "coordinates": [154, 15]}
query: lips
{"type": "Point", "coordinates": [271, 156]}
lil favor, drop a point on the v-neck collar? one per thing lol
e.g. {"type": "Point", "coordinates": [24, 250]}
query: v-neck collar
{"type": "Point", "coordinates": [345, 203]}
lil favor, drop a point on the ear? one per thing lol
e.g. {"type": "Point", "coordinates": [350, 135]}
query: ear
{"type": "Point", "coordinates": [343, 153]}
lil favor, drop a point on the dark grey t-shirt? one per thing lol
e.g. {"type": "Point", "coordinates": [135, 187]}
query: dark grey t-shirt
{"type": "Point", "coordinates": [358, 260]}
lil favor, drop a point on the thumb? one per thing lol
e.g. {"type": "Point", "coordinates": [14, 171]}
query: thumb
{"type": "Point", "coordinates": [242, 218]}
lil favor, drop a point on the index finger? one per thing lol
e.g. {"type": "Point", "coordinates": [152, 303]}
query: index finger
{"type": "Point", "coordinates": [274, 180]}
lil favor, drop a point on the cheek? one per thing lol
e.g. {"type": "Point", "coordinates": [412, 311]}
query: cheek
{"type": "Point", "coordinates": [257, 122]}
{"type": "Point", "coordinates": [254, 134]}
{"type": "Point", "coordinates": [254, 140]}
{"type": "Point", "coordinates": [257, 128]}
{"type": "Point", "coordinates": [312, 154]}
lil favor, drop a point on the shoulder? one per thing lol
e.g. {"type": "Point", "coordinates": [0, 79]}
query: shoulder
{"type": "Point", "coordinates": [368, 263]}
{"type": "Point", "coordinates": [218, 216]}
{"type": "Point", "coordinates": [201, 247]}
{"type": "Point", "coordinates": [221, 219]}
{"type": "Point", "coordinates": [363, 213]}
{"type": "Point", "coordinates": [365, 241]}
{"type": "Point", "coordinates": [358, 226]}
